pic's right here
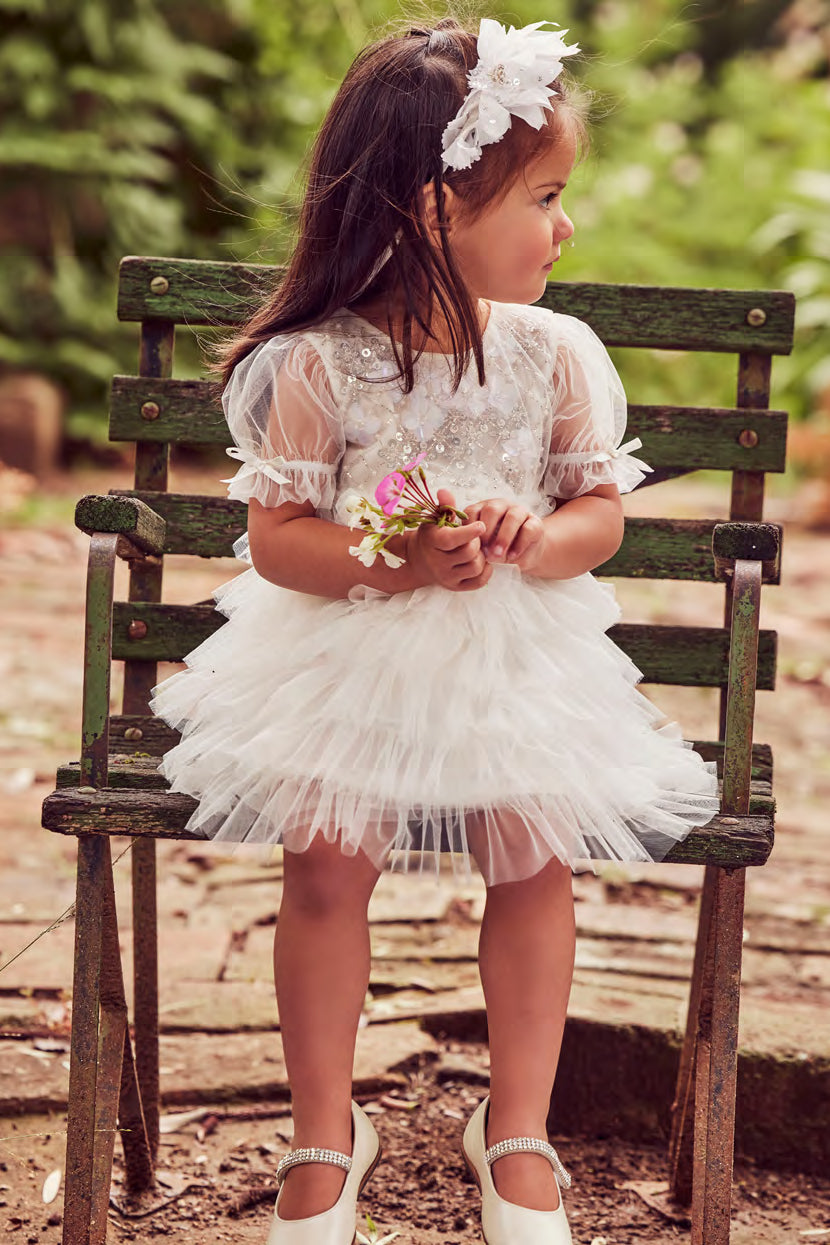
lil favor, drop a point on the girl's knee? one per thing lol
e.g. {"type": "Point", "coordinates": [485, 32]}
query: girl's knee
{"type": "Point", "coordinates": [323, 879]}
{"type": "Point", "coordinates": [555, 877]}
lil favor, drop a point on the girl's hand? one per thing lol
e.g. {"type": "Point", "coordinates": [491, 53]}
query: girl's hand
{"type": "Point", "coordinates": [450, 556]}
{"type": "Point", "coordinates": [512, 533]}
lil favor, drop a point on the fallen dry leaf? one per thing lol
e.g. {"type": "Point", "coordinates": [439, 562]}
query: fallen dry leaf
{"type": "Point", "coordinates": [655, 1194]}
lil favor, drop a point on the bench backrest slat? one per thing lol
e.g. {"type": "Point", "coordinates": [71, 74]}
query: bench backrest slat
{"type": "Point", "coordinates": [689, 656]}
{"type": "Point", "coordinates": [674, 437]}
{"type": "Point", "coordinates": [207, 292]}
{"type": "Point", "coordinates": [652, 548]}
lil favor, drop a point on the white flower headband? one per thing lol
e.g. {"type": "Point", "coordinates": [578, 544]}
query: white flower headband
{"type": "Point", "coordinates": [512, 79]}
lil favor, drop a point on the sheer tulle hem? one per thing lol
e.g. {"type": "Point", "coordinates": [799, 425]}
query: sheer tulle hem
{"type": "Point", "coordinates": [506, 843]}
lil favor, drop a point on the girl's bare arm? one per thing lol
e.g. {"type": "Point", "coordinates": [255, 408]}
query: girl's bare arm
{"type": "Point", "coordinates": [292, 547]}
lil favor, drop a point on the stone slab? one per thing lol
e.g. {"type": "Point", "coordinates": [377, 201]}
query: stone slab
{"type": "Point", "coordinates": [217, 1007]}
{"type": "Point", "coordinates": [399, 897]}
{"type": "Point", "coordinates": [425, 1008]}
{"type": "Point", "coordinates": [213, 1068]}
{"type": "Point", "coordinates": [222, 1068]}
{"type": "Point", "coordinates": [45, 965]}
{"type": "Point", "coordinates": [427, 976]}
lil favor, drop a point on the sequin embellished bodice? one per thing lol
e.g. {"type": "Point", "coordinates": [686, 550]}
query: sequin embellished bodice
{"type": "Point", "coordinates": [319, 413]}
{"type": "Point", "coordinates": [482, 440]}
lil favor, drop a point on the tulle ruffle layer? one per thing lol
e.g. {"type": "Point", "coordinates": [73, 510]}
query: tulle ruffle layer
{"type": "Point", "coordinates": [503, 725]}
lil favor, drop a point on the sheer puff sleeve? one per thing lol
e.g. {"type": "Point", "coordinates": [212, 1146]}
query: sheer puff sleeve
{"type": "Point", "coordinates": [589, 418]}
{"type": "Point", "coordinates": [288, 433]}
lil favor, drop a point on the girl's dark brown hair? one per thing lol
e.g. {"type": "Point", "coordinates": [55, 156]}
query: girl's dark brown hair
{"type": "Point", "coordinates": [379, 145]}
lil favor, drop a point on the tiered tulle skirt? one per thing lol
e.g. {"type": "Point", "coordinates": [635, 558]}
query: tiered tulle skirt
{"type": "Point", "coordinates": [502, 725]}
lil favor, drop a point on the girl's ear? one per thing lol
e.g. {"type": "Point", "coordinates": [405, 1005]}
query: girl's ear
{"type": "Point", "coordinates": [429, 209]}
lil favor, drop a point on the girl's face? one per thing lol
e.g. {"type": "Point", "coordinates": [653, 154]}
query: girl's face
{"type": "Point", "coordinates": [507, 252]}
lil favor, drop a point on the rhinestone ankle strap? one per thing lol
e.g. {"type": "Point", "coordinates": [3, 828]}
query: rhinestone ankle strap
{"type": "Point", "coordinates": [520, 1145]}
{"type": "Point", "coordinates": [311, 1154]}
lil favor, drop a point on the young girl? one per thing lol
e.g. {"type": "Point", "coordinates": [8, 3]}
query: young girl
{"type": "Point", "coordinates": [465, 688]}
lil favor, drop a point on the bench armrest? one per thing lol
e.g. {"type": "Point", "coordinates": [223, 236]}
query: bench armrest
{"type": "Point", "coordinates": [753, 542]}
{"type": "Point", "coordinates": [746, 554]}
{"type": "Point", "coordinates": [141, 530]}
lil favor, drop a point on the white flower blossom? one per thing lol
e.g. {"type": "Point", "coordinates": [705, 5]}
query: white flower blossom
{"type": "Point", "coordinates": [392, 559]}
{"type": "Point", "coordinates": [365, 552]}
{"type": "Point", "coordinates": [511, 79]}
{"type": "Point", "coordinates": [352, 503]}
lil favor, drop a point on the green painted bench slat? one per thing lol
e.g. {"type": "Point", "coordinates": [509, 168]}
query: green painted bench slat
{"type": "Point", "coordinates": [651, 548]}
{"type": "Point", "coordinates": [141, 774]}
{"type": "Point", "coordinates": [150, 737]}
{"type": "Point", "coordinates": [689, 656]}
{"type": "Point", "coordinates": [206, 292]}
{"type": "Point", "coordinates": [745, 840]}
{"type": "Point", "coordinates": [676, 437]}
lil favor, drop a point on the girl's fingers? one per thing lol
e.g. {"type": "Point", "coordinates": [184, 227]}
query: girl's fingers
{"type": "Point", "coordinates": [477, 580]}
{"type": "Point", "coordinates": [502, 542]}
{"type": "Point", "coordinates": [502, 537]}
{"type": "Point", "coordinates": [449, 539]}
{"type": "Point", "coordinates": [529, 534]}
{"type": "Point", "coordinates": [491, 513]}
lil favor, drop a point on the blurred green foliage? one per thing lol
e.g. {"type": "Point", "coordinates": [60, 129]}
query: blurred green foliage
{"type": "Point", "coordinates": [142, 127]}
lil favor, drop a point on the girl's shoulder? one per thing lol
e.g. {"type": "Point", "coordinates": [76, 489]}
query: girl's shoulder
{"type": "Point", "coordinates": [545, 336]}
{"type": "Point", "coordinates": [565, 340]}
{"type": "Point", "coordinates": [321, 347]}
{"type": "Point", "coordinates": [554, 327]}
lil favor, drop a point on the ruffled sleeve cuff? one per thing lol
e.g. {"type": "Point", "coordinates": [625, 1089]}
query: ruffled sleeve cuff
{"type": "Point", "coordinates": [273, 481]}
{"type": "Point", "coordinates": [572, 474]}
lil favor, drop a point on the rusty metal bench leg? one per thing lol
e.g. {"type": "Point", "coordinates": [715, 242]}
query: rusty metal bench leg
{"type": "Point", "coordinates": [102, 1085]}
{"type": "Point", "coordinates": [82, 1220]}
{"type": "Point", "coordinates": [683, 1109]}
{"type": "Point", "coordinates": [117, 1065]}
{"type": "Point", "coordinates": [717, 1065]}
{"type": "Point", "coordinates": [145, 989]}
{"type": "Point", "coordinates": [708, 1067]}
{"type": "Point", "coordinates": [102, 1088]}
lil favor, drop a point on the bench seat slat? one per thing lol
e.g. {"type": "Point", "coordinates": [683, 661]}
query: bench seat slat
{"type": "Point", "coordinates": [141, 774]}
{"type": "Point", "coordinates": [207, 292]}
{"type": "Point", "coordinates": [732, 841]}
{"type": "Point", "coordinates": [677, 438]}
{"type": "Point", "coordinates": [651, 548]}
{"type": "Point", "coordinates": [689, 656]}
{"type": "Point", "coordinates": [156, 737]}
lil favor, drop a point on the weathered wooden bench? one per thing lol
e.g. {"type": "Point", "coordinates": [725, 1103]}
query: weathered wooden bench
{"type": "Point", "coordinates": [115, 789]}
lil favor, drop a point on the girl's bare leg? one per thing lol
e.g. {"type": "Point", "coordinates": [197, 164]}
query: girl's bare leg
{"type": "Point", "coordinates": [526, 955]}
{"type": "Point", "coordinates": [321, 970]}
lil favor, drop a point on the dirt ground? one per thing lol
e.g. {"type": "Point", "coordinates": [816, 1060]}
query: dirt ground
{"type": "Point", "coordinates": [216, 1181]}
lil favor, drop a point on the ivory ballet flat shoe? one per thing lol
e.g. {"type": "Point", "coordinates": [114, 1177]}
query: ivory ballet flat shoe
{"type": "Point", "coordinates": [503, 1222]}
{"type": "Point", "coordinates": [335, 1226]}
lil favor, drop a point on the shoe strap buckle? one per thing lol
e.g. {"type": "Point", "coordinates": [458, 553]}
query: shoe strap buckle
{"type": "Point", "coordinates": [524, 1145]}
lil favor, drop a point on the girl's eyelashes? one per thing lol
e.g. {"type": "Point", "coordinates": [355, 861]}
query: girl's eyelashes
{"type": "Point", "coordinates": [550, 198]}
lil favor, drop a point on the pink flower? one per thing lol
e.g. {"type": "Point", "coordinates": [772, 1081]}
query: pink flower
{"type": "Point", "coordinates": [388, 492]}
{"type": "Point", "coordinates": [416, 462]}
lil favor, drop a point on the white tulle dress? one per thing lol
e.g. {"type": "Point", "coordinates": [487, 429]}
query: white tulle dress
{"type": "Point", "coordinates": [502, 725]}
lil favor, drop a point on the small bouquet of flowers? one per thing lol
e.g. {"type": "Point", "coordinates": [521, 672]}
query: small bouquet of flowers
{"type": "Point", "coordinates": [406, 488]}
